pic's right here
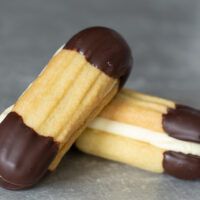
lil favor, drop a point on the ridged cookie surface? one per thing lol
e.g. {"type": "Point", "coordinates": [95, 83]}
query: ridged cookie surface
{"type": "Point", "coordinates": [147, 132]}
{"type": "Point", "coordinates": [79, 80]}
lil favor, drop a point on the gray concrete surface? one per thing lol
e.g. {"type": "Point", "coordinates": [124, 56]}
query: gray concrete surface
{"type": "Point", "coordinates": [165, 39]}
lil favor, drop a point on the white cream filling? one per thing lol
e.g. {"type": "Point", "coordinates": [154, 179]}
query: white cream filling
{"type": "Point", "coordinates": [5, 113]}
{"type": "Point", "coordinates": [154, 138]}
{"type": "Point", "coordinates": [59, 50]}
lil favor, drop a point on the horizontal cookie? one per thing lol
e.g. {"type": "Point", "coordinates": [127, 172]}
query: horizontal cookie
{"type": "Point", "coordinates": [147, 132]}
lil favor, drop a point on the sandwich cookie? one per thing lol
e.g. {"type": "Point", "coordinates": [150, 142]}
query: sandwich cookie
{"type": "Point", "coordinates": [147, 132]}
{"type": "Point", "coordinates": [79, 80]}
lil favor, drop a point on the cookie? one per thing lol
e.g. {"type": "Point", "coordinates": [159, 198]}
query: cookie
{"type": "Point", "coordinates": [147, 132]}
{"type": "Point", "coordinates": [79, 80]}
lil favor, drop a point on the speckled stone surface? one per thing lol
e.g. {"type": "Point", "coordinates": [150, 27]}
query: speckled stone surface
{"type": "Point", "coordinates": [165, 39]}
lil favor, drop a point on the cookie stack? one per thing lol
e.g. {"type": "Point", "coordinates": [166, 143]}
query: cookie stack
{"type": "Point", "coordinates": [77, 95]}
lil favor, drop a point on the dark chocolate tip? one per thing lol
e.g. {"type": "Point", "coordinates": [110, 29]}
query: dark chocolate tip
{"type": "Point", "coordinates": [24, 155]}
{"type": "Point", "coordinates": [181, 165]}
{"type": "Point", "coordinates": [10, 186]}
{"type": "Point", "coordinates": [105, 49]}
{"type": "Point", "coordinates": [182, 123]}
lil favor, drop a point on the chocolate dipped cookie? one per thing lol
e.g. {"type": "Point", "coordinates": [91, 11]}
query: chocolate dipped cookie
{"type": "Point", "coordinates": [147, 132]}
{"type": "Point", "coordinates": [77, 83]}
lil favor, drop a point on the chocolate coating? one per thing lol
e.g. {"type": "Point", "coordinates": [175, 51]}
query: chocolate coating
{"type": "Point", "coordinates": [105, 49]}
{"type": "Point", "coordinates": [182, 166]}
{"type": "Point", "coordinates": [10, 186]}
{"type": "Point", "coordinates": [24, 155]}
{"type": "Point", "coordinates": [183, 123]}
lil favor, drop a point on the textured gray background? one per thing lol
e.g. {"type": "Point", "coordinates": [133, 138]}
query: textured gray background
{"type": "Point", "coordinates": [165, 39]}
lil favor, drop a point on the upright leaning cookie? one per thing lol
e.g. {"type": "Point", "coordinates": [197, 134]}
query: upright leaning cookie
{"type": "Point", "coordinates": [80, 79]}
{"type": "Point", "coordinates": [147, 132]}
